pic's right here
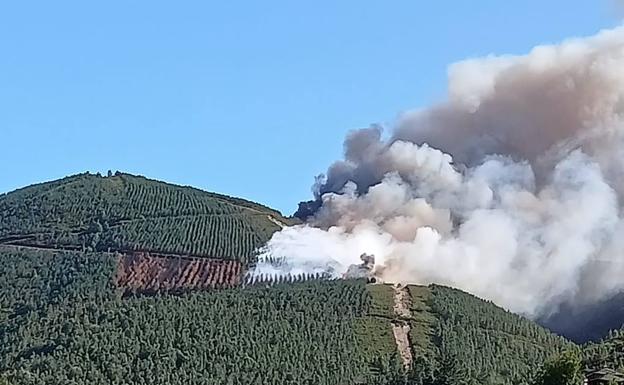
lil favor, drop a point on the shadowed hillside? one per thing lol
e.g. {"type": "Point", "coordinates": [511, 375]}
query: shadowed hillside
{"type": "Point", "coordinates": [589, 322]}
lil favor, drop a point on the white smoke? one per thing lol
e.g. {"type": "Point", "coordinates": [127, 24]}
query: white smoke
{"type": "Point", "coordinates": [511, 189]}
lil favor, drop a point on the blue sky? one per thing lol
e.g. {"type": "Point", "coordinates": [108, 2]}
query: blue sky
{"type": "Point", "coordinates": [250, 99]}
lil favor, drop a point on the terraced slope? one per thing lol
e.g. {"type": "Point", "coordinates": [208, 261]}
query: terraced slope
{"type": "Point", "coordinates": [130, 213]}
{"type": "Point", "coordinates": [147, 274]}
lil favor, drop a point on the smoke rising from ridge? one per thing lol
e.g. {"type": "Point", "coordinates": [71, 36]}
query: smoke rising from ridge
{"type": "Point", "coordinates": [511, 189]}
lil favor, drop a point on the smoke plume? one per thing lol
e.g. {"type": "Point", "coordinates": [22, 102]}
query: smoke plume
{"type": "Point", "coordinates": [511, 189]}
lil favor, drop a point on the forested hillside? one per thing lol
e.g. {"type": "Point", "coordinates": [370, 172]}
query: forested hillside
{"type": "Point", "coordinates": [494, 345]}
{"type": "Point", "coordinates": [123, 212]}
{"type": "Point", "coordinates": [63, 321]}
{"type": "Point", "coordinates": [609, 352]}
{"type": "Point", "coordinates": [125, 280]}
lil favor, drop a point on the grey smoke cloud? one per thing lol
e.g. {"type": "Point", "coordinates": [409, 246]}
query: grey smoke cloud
{"type": "Point", "coordinates": [510, 189]}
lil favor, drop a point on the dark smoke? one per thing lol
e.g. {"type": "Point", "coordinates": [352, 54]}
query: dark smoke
{"type": "Point", "coordinates": [511, 189]}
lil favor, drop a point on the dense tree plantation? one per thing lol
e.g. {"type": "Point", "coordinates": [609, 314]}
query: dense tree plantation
{"type": "Point", "coordinates": [564, 369]}
{"type": "Point", "coordinates": [606, 353]}
{"type": "Point", "coordinates": [125, 280]}
{"type": "Point", "coordinates": [494, 345]}
{"type": "Point", "coordinates": [126, 212]}
{"type": "Point", "coordinates": [62, 321]}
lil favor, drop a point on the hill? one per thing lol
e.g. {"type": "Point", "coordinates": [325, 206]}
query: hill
{"type": "Point", "coordinates": [126, 280]}
{"type": "Point", "coordinates": [124, 212]}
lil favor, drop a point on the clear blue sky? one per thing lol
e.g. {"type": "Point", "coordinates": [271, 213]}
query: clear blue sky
{"type": "Point", "coordinates": [247, 98]}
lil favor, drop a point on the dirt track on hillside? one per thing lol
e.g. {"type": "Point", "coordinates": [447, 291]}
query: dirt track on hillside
{"type": "Point", "coordinates": [400, 327]}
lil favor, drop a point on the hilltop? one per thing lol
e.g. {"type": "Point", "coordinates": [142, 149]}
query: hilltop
{"type": "Point", "coordinates": [167, 236]}
{"type": "Point", "coordinates": [126, 280]}
{"type": "Point", "coordinates": [125, 212]}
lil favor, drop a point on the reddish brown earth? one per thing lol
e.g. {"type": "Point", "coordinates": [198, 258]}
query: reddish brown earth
{"type": "Point", "coordinates": [148, 273]}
